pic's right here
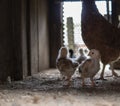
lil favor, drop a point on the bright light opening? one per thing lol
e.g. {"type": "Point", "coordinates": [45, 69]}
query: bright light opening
{"type": "Point", "coordinates": [73, 9]}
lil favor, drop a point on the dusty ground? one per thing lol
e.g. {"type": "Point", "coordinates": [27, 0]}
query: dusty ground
{"type": "Point", "coordinates": [47, 89]}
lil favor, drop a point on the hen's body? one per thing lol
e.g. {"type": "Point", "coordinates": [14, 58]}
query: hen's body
{"type": "Point", "coordinates": [98, 33]}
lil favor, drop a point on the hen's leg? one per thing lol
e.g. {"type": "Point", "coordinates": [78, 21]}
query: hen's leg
{"type": "Point", "coordinates": [102, 73]}
{"type": "Point", "coordinates": [113, 71]}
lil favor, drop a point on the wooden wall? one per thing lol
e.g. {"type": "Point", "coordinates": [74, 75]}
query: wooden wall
{"type": "Point", "coordinates": [24, 40]}
{"type": "Point", "coordinates": [43, 34]}
{"type": "Point", "coordinates": [55, 30]}
{"type": "Point", "coordinates": [6, 49]}
{"type": "Point", "coordinates": [39, 42]}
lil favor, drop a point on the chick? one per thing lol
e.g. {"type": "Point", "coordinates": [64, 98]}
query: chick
{"type": "Point", "coordinates": [65, 65]}
{"type": "Point", "coordinates": [91, 66]}
{"type": "Point", "coordinates": [82, 56]}
{"type": "Point", "coordinates": [71, 53]}
{"type": "Point", "coordinates": [86, 51]}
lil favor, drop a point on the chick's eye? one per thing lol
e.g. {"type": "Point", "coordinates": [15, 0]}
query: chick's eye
{"type": "Point", "coordinates": [92, 52]}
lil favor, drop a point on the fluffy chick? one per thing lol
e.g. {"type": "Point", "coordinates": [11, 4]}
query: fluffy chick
{"type": "Point", "coordinates": [65, 65]}
{"type": "Point", "coordinates": [91, 66]}
{"type": "Point", "coordinates": [82, 56]}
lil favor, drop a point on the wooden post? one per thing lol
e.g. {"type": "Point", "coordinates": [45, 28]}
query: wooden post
{"type": "Point", "coordinates": [70, 33]}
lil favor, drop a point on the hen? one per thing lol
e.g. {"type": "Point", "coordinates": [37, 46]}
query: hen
{"type": "Point", "coordinates": [98, 33]}
{"type": "Point", "coordinates": [90, 66]}
{"type": "Point", "coordinates": [65, 65]}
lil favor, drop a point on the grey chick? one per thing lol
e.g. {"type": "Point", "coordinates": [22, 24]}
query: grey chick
{"type": "Point", "coordinates": [82, 56]}
{"type": "Point", "coordinates": [65, 65]}
{"type": "Point", "coordinates": [91, 66]}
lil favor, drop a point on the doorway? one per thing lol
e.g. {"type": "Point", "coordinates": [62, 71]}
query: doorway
{"type": "Point", "coordinates": [72, 22]}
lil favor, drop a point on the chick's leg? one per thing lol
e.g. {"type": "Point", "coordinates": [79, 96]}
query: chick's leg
{"type": "Point", "coordinates": [83, 82]}
{"type": "Point", "coordinates": [68, 81]}
{"type": "Point", "coordinates": [93, 83]}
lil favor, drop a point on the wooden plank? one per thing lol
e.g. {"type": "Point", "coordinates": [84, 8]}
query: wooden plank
{"type": "Point", "coordinates": [34, 36]}
{"type": "Point", "coordinates": [43, 35]}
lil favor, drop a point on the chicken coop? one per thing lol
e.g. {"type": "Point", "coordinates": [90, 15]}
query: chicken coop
{"type": "Point", "coordinates": [31, 34]}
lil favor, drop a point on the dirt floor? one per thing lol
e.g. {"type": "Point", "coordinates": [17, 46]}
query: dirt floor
{"type": "Point", "coordinates": [47, 89]}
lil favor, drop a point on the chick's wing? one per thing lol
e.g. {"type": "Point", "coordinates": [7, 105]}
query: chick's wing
{"type": "Point", "coordinates": [86, 65]}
